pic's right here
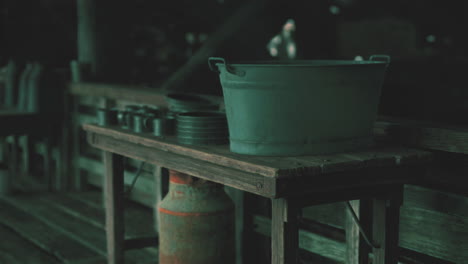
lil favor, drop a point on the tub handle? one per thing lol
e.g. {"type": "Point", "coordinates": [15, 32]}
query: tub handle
{"type": "Point", "coordinates": [212, 63]}
{"type": "Point", "coordinates": [384, 58]}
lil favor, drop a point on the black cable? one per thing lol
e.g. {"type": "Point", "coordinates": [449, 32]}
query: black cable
{"type": "Point", "coordinates": [361, 230]}
{"type": "Point", "coordinates": [135, 178]}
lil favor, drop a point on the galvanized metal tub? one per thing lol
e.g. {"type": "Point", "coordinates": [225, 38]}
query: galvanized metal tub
{"type": "Point", "coordinates": [300, 107]}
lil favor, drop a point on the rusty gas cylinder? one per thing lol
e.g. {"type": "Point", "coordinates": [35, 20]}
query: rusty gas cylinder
{"type": "Point", "coordinates": [196, 223]}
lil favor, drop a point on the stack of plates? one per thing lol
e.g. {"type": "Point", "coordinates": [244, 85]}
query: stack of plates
{"type": "Point", "coordinates": [202, 128]}
{"type": "Point", "coordinates": [182, 103]}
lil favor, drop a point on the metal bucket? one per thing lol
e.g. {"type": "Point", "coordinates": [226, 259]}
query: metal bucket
{"type": "Point", "coordinates": [196, 222]}
{"type": "Point", "coordinates": [301, 107]}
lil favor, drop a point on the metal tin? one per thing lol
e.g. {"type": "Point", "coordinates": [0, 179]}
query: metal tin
{"type": "Point", "coordinates": [196, 222]}
{"type": "Point", "coordinates": [142, 122]}
{"type": "Point", "coordinates": [159, 127]}
{"type": "Point", "coordinates": [126, 117]}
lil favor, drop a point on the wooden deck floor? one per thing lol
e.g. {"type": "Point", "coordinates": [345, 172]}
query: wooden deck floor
{"type": "Point", "coordinates": [65, 228]}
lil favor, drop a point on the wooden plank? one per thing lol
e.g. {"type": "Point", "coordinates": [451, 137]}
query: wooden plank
{"type": "Point", "coordinates": [13, 248]}
{"type": "Point", "coordinates": [435, 200]}
{"type": "Point", "coordinates": [218, 154]}
{"type": "Point", "coordinates": [39, 233]}
{"type": "Point", "coordinates": [425, 135]}
{"type": "Point", "coordinates": [238, 179]}
{"type": "Point", "coordinates": [137, 94]}
{"type": "Point", "coordinates": [356, 250]}
{"type": "Point", "coordinates": [284, 232]}
{"type": "Point", "coordinates": [267, 166]}
{"type": "Point", "coordinates": [332, 214]}
{"type": "Point", "coordinates": [433, 233]}
{"type": "Point", "coordinates": [138, 220]}
{"type": "Point", "coordinates": [74, 228]}
{"type": "Point", "coordinates": [317, 244]}
{"type": "Point", "coordinates": [113, 190]}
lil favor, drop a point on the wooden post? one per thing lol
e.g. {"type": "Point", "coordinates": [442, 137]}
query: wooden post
{"type": "Point", "coordinates": [113, 189]}
{"type": "Point", "coordinates": [86, 33]}
{"type": "Point", "coordinates": [284, 232]}
{"type": "Point", "coordinates": [237, 197]}
{"type": "Point", "coordinates": [357, 251]}
{"type": "Point", "coordinates": [386, 223]}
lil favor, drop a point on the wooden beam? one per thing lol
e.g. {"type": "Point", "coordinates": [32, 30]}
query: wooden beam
{"type": "Point", "coordinates": [129, 93]}
{"type": "Point", "coordinates": [424, 135]}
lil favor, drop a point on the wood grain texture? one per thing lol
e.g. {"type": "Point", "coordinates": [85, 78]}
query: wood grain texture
{"type": "Point", "coordinates": [138, 221]}
{"type": "Point", "coordinates": [82, 224]}
{"type": "Point", "coordinates": [425, 135]}
{"type": "Point", "coordinates": [277, 167]}
{"type": "Point", "coordinates": [113, 190]}
{"type": "Point", "coordinates": [284, 232]}
{"type": "Point", "coordinates": [255, 174]}
{"type": "Point", "coordinates": [42, 235]}
{"type": "Point", "coordinates": [385, 229]}
{"type": "Point", "coordinates": [434, 233]}
{"type": "Point", "coordinates": [13, 248]}
{"type": "Point", "coordinates": [355, 253]}
{"type": "Point", "coordinates": [235, 178]}
{"type": "Point", "coordinates": [329, 248]}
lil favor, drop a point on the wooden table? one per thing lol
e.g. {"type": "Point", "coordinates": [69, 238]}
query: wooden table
{"type": "Point", "coordinates": [290, 182]}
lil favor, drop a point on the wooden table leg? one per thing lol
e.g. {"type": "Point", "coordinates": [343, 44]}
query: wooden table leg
{"type": "Point", "coordinates": [113, 189]}
{"type": "Point", "coordinates": [386, 223]}
{"type": "Point", "coordinates": [161, 181]}
{"type": "Point", "coordinates": [357, 251]}
{"type": "Point", "coordinates": [284, 232]}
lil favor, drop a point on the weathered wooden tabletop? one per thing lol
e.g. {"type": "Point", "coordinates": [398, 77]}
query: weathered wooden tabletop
{"type": "Point", "coordinates": [267, 176]}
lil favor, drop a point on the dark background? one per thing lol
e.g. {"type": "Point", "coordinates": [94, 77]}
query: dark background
{"type": "Point", "coordinates": [143, 42]}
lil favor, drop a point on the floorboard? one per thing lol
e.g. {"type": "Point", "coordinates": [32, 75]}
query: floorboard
{"type": "Point", "coordinates": [66, 228]}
